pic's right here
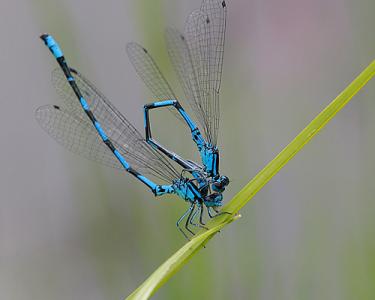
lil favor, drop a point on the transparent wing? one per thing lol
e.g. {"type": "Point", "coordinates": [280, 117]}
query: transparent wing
{"type": "Point", "coordinates": [183, 64]}
{"type": "Point", "coordinates": [151, 74]}
{"type": "Point", "coordinates": [69, 125]}
{"type": "Point", "coordinates": [178, 53]}
{"type": "Point", "coordinates": [216, 13]}
{"type": "Point", "coordinates": [197, 58]}
{"type": "Point", "coordinates": [75, 134]}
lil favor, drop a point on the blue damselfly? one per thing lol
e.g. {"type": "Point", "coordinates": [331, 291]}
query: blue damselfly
{"type": "Point", "coordinates": [88, 124]}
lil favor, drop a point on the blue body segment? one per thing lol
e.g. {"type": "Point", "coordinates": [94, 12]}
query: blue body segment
{"type": "Point", "coordinates": [82, 100]}
{"type": "Point", "coordinates": [186, 190]}
{"type": "Point", "coordinates": [147, 181]}
{"type": "Point", "coordinates": [210, 159]}
{"type": "Point", "coordinates": [164, 189]}
{"type": "Point", "coordinates": [100, 131]}
{"type": "Point", "coordinates": [121, 159]}
{"type": "Point", "coordinates": [52, 45]}
{"type": "Point", "coordinates": [164, 103]}
{"type": "Point", "coordinates": [189, 121]}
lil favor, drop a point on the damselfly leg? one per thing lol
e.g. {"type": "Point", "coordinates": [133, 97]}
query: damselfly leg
{"type": "Point", "coordinates": [192, 220]}
{"type": "Point", "coordinates": [216, 212]}
{"type": "Point", "coordinates": [183, 217]}
{"type": "Point", "coordinates": [201, 217]}
{"type": "Point", "coordinates": [201, 223]}
{"type": "Point", "coordinates": [188, 220]}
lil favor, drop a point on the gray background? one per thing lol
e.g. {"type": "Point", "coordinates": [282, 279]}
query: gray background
{"type": "Point", "coordinates": [71, 229]}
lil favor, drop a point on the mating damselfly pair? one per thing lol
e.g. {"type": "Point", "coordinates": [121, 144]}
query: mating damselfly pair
{"type": "Point", "coordinates": [88, 124]}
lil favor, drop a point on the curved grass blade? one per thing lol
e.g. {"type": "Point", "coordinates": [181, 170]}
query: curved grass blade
{"type": "Point", "coordinates": [176, 261]}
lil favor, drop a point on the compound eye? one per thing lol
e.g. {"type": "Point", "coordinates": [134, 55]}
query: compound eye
{"type": "Point", "coordinates": [224, 180]}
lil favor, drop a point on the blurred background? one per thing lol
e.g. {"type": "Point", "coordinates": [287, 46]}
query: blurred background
{"type": "Point", "coordinates": [72, 229]}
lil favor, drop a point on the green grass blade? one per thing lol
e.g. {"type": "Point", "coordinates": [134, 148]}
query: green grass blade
{"type": "Point", "coordinates": [177, 260]}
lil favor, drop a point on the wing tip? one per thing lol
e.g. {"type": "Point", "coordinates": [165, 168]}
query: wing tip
{"type": "Point", "coordinates": [131, 46]}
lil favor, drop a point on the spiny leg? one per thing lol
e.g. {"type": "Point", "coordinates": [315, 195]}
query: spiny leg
{"type": "Point", "coordinates": [181, 218]}
{"type": "Point", "coordinates": [201, 217]}
{"type": "Point", "coordinates": [200, 224]}
{"type": "Point", "coordinates": [217, 212]}
{"type": "Point", "coordinates": [193, 218]}
{"type": "Point", "coordinates": [210, 212]}
{"type": "Point", "coordinates": [188, 220]}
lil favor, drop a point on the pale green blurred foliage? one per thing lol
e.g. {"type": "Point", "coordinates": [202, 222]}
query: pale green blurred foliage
{"type": "Point", "coordinates": [70, 229]}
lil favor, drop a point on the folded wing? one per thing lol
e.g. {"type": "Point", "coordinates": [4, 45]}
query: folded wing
{"type": "Point", "coordinates": [69, 125]}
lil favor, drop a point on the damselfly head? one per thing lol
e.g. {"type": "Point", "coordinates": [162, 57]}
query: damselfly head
{"type": "Point", "coordinates": [219, 183]}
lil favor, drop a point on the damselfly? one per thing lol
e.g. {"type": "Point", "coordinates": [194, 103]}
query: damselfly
{"type": "Point", "coordinates": [88, 124]}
